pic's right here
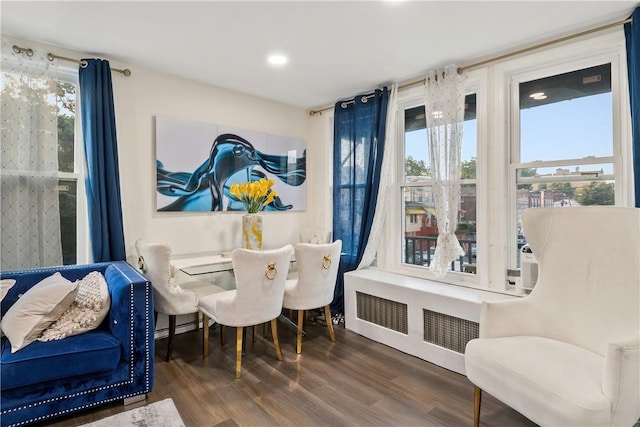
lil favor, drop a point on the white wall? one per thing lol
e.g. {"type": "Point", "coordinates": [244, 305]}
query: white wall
{"type": "Point", "coordinates": [146, 94]}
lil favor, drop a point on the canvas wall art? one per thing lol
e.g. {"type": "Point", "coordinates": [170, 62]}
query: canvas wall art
{"type": "Point", "coordinates": [196, 163]}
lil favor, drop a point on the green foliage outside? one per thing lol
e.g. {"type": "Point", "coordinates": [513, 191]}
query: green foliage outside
{"type": "Point", "coordinates": [596, 193]}
{"type": "Point", "coordinates": [468, 169]}
{"type": "Point", "coordinates": [563, 188]}
{"type": "Point", "coordinates": [466, 229]}
{"type": "Point", "coordinates": [67, 195]}
{"type": "Point", "coordinates": [526, 172]}
{"type": "Point", "coordinates": [413, 167]}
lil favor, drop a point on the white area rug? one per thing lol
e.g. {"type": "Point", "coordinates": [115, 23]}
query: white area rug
{"type": "Point", "coordinates": [158, 414]}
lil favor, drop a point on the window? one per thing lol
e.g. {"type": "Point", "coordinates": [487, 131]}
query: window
{"type": "Point", "coordinates": [563, 152]}
{"type": "Point", "coordinates": [418, 220]}
{"type": "Point", "coordinates": [42, 190]}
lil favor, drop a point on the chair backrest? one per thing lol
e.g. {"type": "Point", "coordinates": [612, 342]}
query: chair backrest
{"type": "Point", "coordinates": [154, 260]}
{"type": "Point", "coordinates": [588, 287]}
{"type": "Point", "coordinates": [317, 272]}
{"type": "Point", "coordinates": [260, 279]}
{"type": "Point", "coordinates": [315, 236]}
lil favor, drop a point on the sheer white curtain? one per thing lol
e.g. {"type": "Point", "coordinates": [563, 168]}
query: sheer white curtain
{"type": "Point", "coordinates": [371, 249]}
{"type": "Point", "coordinates": [444, 108]}
{"type": "Point", "coordinates": [30, 218]}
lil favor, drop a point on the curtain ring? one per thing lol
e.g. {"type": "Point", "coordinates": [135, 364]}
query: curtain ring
{"type": "Point", "coordinates": [272, 271]}
{"type": "Point", "coordinates": [83, 63]}
{"type": "Point", "coordinates": [27, 51]}
{"type": "Point", "coordinates": [326, 262]}
{"type": "Point", "coordinates": [364, 99]}
{"type": "Point", "coordinates": [343, 105]}
{"type": "Point", "coordinates": [141, 265]}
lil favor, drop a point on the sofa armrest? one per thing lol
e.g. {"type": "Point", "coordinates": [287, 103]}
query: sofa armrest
{"type": "Point", "coordinates": [621, 381]}
{"type": "Point", "coordinates": [131, 314]}
{"type": "Point", "coordinates": [508, 318]}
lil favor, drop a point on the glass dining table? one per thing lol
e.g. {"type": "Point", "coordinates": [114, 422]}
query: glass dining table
{"type": "Point", "coordinates": [205, 264]}
{"type": "Point", "coordinates": [195, 265]}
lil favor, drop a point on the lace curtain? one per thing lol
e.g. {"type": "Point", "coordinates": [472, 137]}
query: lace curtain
{"type": "Point", "coordinates": [30, 216]}
{"type": "Point", "coordinates": [382, 206]}
{"type": "Point", "coordinates": [444, 108]}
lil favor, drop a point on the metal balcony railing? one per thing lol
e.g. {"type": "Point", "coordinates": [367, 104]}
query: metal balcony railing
{"type": "Point", "coordinates": [419, 250]}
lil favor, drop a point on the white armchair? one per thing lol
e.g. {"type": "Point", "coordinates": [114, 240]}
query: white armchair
{"type": "Point", "coordinates": [315, 284]}
{"type": "Point", "coordinates": [260, 280]}
{"type": "Point", "coordinates": [569, 353]}
{"type": "Point", "coordinates": [170, 297]}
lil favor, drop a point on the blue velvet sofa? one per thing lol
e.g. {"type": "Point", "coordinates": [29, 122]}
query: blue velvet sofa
{"type": "Point", "coordinates": [113, 362]}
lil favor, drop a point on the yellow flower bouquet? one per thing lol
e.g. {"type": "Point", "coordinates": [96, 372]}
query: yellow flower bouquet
{"type": "Point", "coordinates": [254, 195]}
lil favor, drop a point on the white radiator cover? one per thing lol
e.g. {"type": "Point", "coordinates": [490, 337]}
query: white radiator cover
{"type": "Point", "coordinates": [459, 308]}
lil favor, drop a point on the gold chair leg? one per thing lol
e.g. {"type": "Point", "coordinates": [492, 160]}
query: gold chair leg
{"type": "Point", "coordinates": [477, 397]}
{"type": "Point", "coordinates": [254, 332]}
{"type": "Point", "coordinates": [264, 330]}
{"type": "Point", "coordinates": [276, 342]}
{"type": "Point", "coordinates": [299, 336]}
{"type": "Point", "coordinates": [196, 318]}
{"type": "Point", "coordinates": [328, 320]}
{"type": "Point", "coordinates": [239, 351]}
{"type": "Point", "coordinates": [222, 335]}
{"type": "Point", "coordinates": [205, 335]}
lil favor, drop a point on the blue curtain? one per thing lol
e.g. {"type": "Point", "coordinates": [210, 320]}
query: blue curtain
{"type": "Point", "coordinates": [358, 146]}
{"type": "Point", "coordinates": [632, 34]}
{"type": "Point", "coordinates": [101, 153]}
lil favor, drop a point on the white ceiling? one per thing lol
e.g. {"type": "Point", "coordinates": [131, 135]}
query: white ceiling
{"type": "Point", "coordinates": [336, 48]}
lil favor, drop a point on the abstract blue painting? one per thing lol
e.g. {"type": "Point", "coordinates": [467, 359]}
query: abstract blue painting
{"type": "Point", "coordinates": [196, 163]}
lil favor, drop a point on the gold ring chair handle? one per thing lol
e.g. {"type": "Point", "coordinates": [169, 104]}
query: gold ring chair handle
{"type": "Point", "coordinates": [272, 271]}
{"type": "Point", "coordinates": [326, 262]}
{"type": "Point", "coordinates": [141, 265]}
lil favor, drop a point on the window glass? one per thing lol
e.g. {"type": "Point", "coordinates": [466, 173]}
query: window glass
{"type": "Point", "coordinates": [565, 144]}
{"type": "Point", "coordinates": [58, 99]}
{"type": "Point", "coordinates": [567, 116]}
{"type": "Point", "coordinates": [419, 224]}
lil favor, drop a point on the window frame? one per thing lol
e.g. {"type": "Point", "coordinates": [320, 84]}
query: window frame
{"type": "Point", "coordinates": [494, 174]}
{"type": "Point", "coordinates": [69, 74]}
{"type": "Point", "coordinates": [391, 257]}
{"type": "Point", "coordinates": [576, 56]}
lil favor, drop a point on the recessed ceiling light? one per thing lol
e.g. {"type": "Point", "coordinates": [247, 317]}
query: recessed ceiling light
{"type": "Point", "coordinates": [538, 96]}
{"type": "Point", "coordinates": [277, 59]}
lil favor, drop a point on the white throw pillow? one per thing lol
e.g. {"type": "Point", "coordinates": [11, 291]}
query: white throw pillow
{"type": "Point", "coordinates": [87, 311]}
{"type": "Point", "coordinates": [36, 309]}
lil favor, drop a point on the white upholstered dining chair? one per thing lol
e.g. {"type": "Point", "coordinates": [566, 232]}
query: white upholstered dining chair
{"type": "Point", "coordinates": [569, 353]}
{"type": "Point", "coordinates": [315, 283]}
{"type": "Point", "coordinates": [317, 237]}
{"type": "Point", "coordinates": [169, 296]}
{"type": "Point", "coordinates": [257, 299]}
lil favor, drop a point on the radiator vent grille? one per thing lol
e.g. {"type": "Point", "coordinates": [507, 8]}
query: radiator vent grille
{"type": "Point", "coordinates": [383, 312]}
{"type": "Point", "coordinates": [447, 331]}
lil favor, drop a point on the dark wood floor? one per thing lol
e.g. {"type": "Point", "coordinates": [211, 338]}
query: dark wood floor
{"type": "Point", "coordinates": [354, 382]}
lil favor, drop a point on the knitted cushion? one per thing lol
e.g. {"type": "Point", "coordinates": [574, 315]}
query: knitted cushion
{"type": "Point", "coordinates": [85, 313]}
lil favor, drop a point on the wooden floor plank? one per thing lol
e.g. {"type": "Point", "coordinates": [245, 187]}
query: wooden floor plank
{"type": "Point", "coordinates": [353, 382]}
